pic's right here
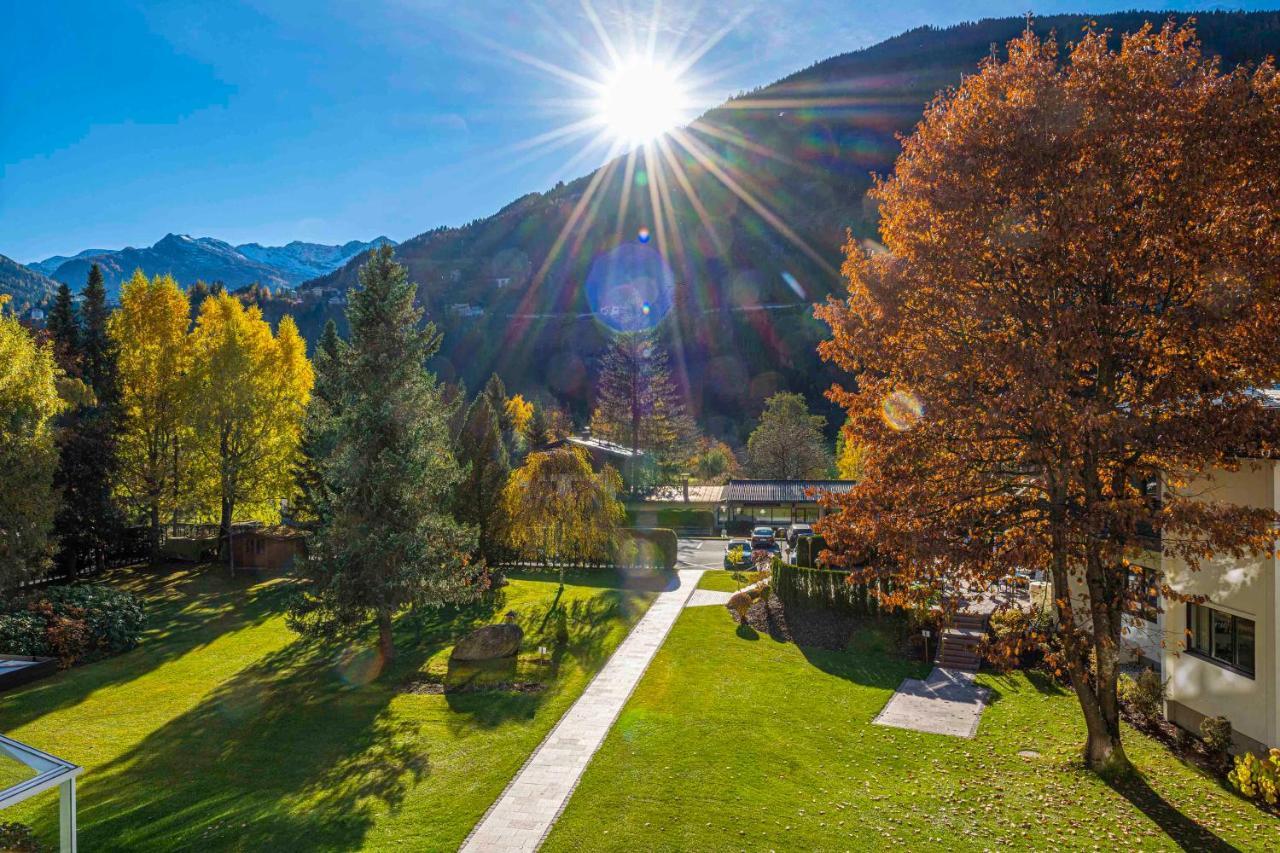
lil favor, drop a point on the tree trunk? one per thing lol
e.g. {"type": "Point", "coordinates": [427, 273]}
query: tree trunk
{"type": "Point", "coordinates": [224, 533]}
{"type": "Point", "coordinates": [386, 643]}
{"type": "Point", "coordinates": [154, 532]}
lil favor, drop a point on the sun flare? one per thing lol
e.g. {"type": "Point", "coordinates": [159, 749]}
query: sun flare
{"type": "Point", "coordinates": [641, 100]}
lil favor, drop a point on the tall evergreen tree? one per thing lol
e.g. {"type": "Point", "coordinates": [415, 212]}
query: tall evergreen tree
{"type": "Point", "coordinates": [389, 541]}
{"type": "Point", "coordinates": [64, 329]}
{"type": "Point", "coordinates": [316, 445]}
{"type": "Point", "coordinates": [87, 520]}
{"type": "Point", "coordinates": [478, 500]}
{"type": "Point", "coordinates": [638, 406]}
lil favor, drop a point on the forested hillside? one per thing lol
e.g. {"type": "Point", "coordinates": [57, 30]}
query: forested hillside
{"type": "Point", "coordinates": [25, 286]}
{"type": "Point", "coordinates": [754, 210]}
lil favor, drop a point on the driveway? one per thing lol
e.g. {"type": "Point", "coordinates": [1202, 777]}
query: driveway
{"type": "Point", "coordinates": [700, 554]}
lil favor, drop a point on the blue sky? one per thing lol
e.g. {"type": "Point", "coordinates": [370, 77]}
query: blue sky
{"type": "Point", "coordinates": [269, 121]}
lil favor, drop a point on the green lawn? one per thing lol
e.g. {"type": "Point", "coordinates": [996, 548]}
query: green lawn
{"type": "Point", "coordinates": [722, 581]}
{"type": "Point", "coordinates": [734, 741]}
{"type": "Point", "coordinates": [225, 731]}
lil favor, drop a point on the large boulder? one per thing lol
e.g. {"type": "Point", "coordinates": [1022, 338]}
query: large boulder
{"type": "Point", "coordinates": [491, 642]}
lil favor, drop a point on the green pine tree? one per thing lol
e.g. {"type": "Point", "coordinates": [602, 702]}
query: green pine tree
{"type": "Point", "coordinates": [388, 541]}
{"type": "Point", "coordinates": [478, 500]}
{"type": "Point", "coordinates": [88, 520]}
{"type": "Point", "coordinates": [64, 329]}
{"type": "Point", "coordinates": [316, 446]}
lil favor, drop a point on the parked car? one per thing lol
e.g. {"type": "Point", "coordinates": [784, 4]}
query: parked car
{"type": "Point", "coordinates": [737, 554]}
{"type": "Point", "coordinates": [761, 536]}
{"type": "Point", "coordinates": [795, 531]}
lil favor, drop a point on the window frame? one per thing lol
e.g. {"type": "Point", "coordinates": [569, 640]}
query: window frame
{"type": "Point", "coordinates": [1210, 642]}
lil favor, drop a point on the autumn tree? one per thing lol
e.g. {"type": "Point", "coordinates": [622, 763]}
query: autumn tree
{"type": "Point", "coordinates": [638, 405]}
{"type": "Point", "coordinates": [560, 511]}
{"type": "Point", "coordinates": [150, 334]}
{"type": "Point", "coordinates": [389, 541]}
{"type": "Point", "coordinates": [714, 462]}
{"type": "Point", "coordinates": [1078, 299]}
{"type": "Point", "coordinates": [249, 394]}
{"type": "Point", "coordinates": [29, 402]}
{"type": "Point", "coordinates": [788, 443]}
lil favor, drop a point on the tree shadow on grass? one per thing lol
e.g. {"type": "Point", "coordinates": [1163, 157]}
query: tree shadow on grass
{"type": "Point", "coordinates": [870, 659]}
{"type": "Point", "coordinates": [591, 624]}
{"type": "Point", "coordinates": [291, 752]}
{"type": "Point", "coordinates": [1183, 830]}
{"type": "Point", "coordinates": [187, 608]}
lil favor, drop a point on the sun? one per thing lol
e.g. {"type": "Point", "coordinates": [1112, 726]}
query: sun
{"type": "Point", "coordinates": [640, 101]}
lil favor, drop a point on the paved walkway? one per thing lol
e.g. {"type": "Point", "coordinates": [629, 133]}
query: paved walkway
{"type": "Point", "coordinates": [945, 703]}
{"type": "Point", "coordinates": [527, 809]}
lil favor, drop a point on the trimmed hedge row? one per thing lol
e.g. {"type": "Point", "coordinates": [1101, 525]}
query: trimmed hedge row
{"type": "Point", "coordinates": [826, 589]}
{"type": "Point", "coordinates": [655, 546]}
{"type": "Point", "coordinates": [75, 624]}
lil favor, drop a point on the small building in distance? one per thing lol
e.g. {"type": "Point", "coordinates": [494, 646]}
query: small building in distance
{"type": "Point", "coordinates": [774, 503]}
{"type": "Point", "coordinates": [256, 546]}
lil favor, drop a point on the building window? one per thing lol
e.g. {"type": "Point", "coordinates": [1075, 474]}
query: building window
{"type": "Point", "coordinates": [1222, 637]}
{"type": "Point", "coordinates": [1145, 589]}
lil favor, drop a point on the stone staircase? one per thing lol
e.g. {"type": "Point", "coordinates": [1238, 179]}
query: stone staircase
{"type": "Point", "coordinates": [959, 646]}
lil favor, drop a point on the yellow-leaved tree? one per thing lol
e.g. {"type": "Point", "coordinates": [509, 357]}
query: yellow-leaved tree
{"type": "Point", "coordinates": [562, 512]}
{"type": "Point", "coordinates": [250, 393]}
{"type": "Point", "coordinates": [28, 403]}
{"type": "Point", "coordinates": [151, 332]}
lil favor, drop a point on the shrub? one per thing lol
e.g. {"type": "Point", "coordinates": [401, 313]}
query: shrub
{"type": "Point", "coordinates": [23, 633]}
{"type": "Point", "coordinates": [1011, 622]}
{"type": "Point", "coordinates": [1144, 695]}
{"type": "Point", "coordinates": [740, 602]}
{"type": "Point", "coordinates": [1216, 732]}
{"type": "Point", "coordinates": [1257, 778]}
{"type": "Point", "coordinates": [75, 624]}
{"type": "Point", "coordinates": [18, 838]}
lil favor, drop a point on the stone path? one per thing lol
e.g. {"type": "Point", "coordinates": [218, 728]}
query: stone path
{"type": "Point", "coordinates": [528, 808]}
{"type": "Point", "coordinates": [945, 703]}
{"type": "Point", "coordinates": [708, 597]}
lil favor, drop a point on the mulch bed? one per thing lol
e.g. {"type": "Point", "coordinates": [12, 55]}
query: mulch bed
{"type": "Point", "coordinates": [801, 625]}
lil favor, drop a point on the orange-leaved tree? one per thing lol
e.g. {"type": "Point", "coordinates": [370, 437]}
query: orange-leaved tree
{"type": "Point", "coordinates": [1075, 305]}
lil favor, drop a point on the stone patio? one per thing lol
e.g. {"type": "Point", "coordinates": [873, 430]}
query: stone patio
{"type": "Point", "coordinates": [947, 702]}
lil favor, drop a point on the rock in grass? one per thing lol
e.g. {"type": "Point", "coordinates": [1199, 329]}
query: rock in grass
{"type": "Point", "coordinates": [489, 643]}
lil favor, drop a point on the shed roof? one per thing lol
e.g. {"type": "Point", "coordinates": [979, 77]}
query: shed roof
{"type": "Point", "coordinates": [782, 491]}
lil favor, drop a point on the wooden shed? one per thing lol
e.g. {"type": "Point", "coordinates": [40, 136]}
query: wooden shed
{"type": "Point", "coordinates": [258, 547]}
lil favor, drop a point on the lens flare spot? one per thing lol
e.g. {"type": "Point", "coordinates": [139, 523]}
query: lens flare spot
{"type": "Point", "coordinates": [796, 287]}
{"type": "Point", "coordinates": [630, 287]}
{"type": "Point", "coordinates": [643, 235]}
{"type": "Point", "coordinates": [358, 666]}
{"type": "Point", "coordinates": [901, 410]}
{"type": "Point", "coordinates": [641, 178]}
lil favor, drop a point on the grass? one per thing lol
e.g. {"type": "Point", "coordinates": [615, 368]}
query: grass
{"type": "Point", "coordinates": [734, 741]}
{"type": "Point", "coordinates": [722, 581]}
{"type": "Point", "coordinates": [225, 731]}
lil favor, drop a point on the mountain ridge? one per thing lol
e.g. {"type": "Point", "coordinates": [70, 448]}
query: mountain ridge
{"type": "Point", "coordinates": [801, 153]}
{"type": "Point", "coordinates": [190, 259]}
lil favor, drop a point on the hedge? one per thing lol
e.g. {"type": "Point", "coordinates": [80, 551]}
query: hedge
{"type": "Point", "coordinates": [75, 624]}
{"type": "Point", "coordinates": [656, 546]}
{"type": "Point", "coordinates": [808, 549]}
{"type": "Point", "coordinates": [827, 589]}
